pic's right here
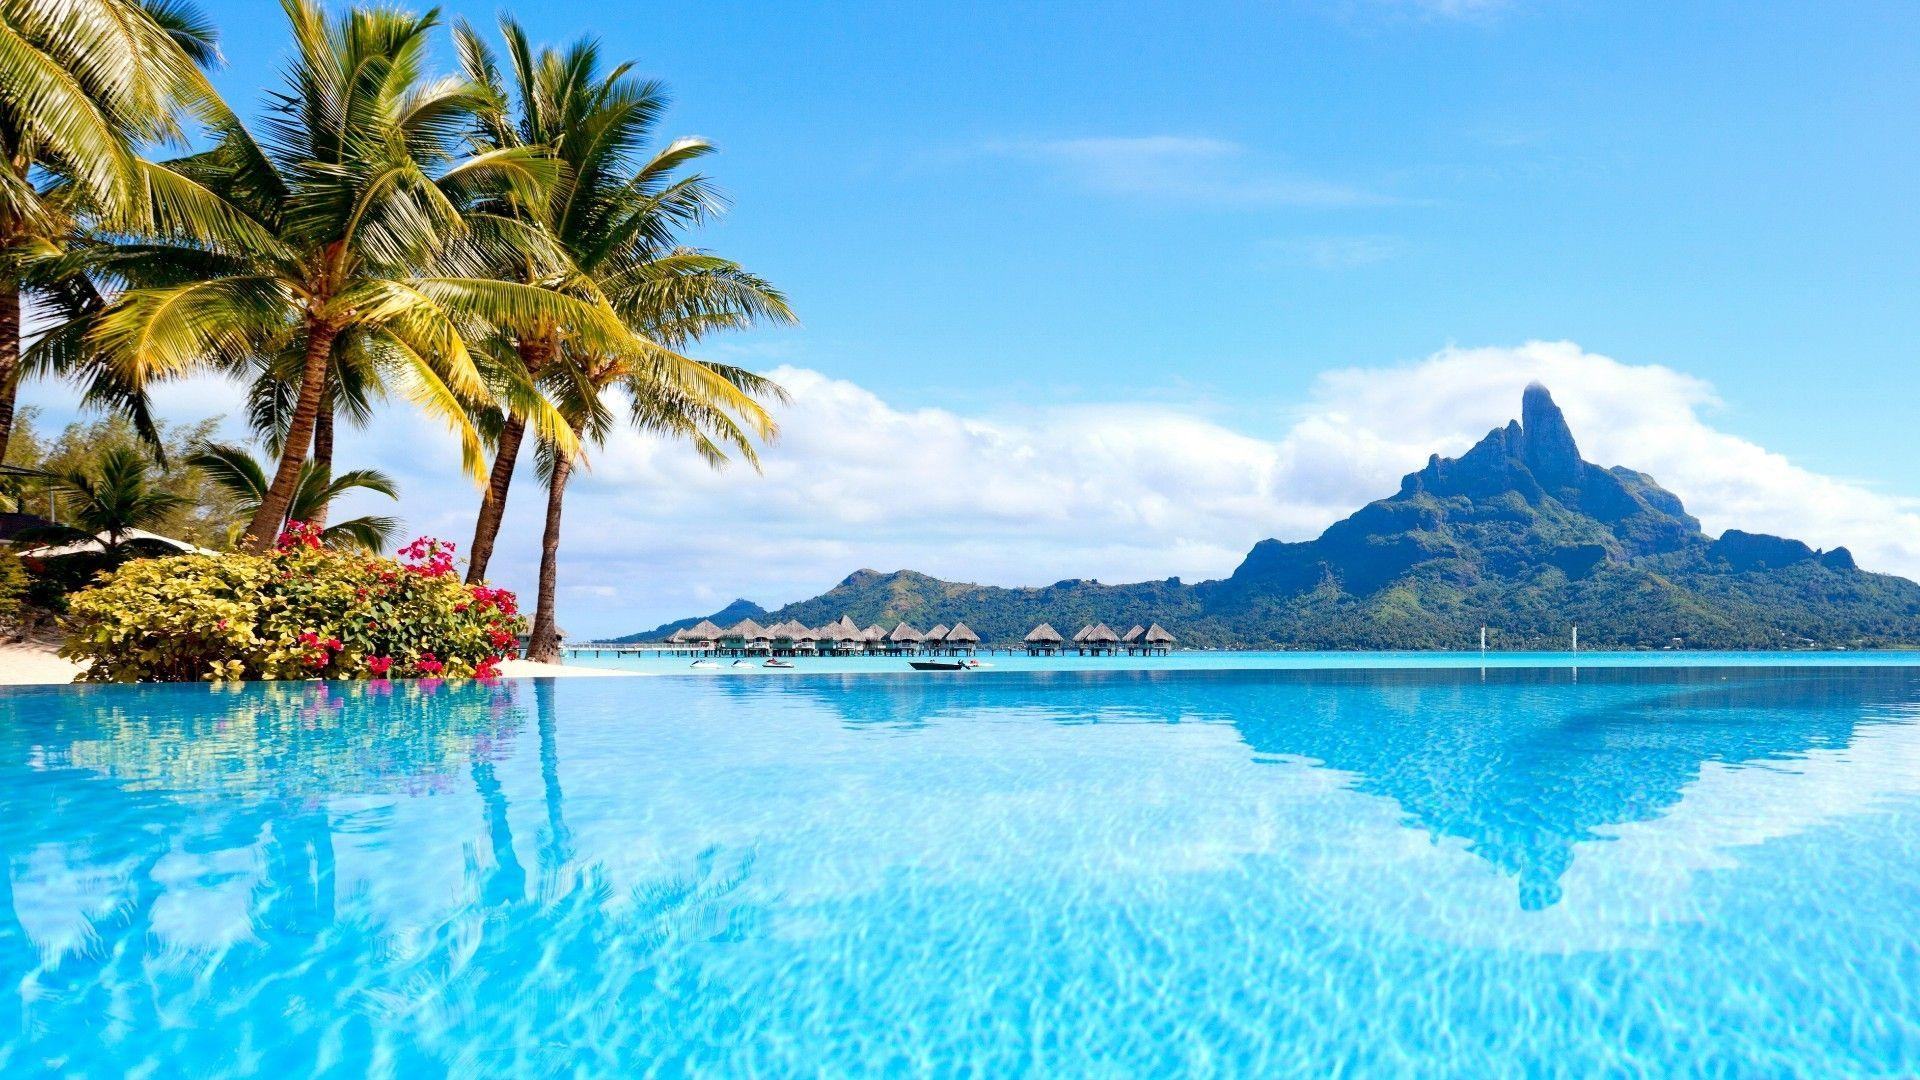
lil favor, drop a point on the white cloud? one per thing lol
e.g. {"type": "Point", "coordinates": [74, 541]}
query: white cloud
{"type": "Point", "coordinates": [1209, 170]}
{"type": "Point", "coordinates": [1127, 492]}
{"type": "Point", "coordinates": [1119, 492]}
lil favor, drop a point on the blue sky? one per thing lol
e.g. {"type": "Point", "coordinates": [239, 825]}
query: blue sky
{"type": "Point", "coordinates": [988, 201]}
{"type": "Point", "coordinates": [1001, 210]}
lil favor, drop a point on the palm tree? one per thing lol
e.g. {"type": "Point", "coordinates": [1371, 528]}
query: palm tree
{"type": "Point", "coordinates": [83, 85]}
{"type": "Point", "coordinates": [345, 220]}
{"type": "Point", "coordinates": [712, 430]}
{"type": "Point", "coordinates": [614, 214]}
{"type": "Point", "coordinates": [109, 502]}
{"type": "Point", "coordinates": [241, 476]}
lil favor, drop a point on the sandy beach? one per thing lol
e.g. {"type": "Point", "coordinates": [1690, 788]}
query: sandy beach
{"type": "Point", "coordinates": [36, 664]}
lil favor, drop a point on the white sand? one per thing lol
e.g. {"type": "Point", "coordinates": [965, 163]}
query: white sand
{"type": "Point", "coordinates": [31, 664]}
{"type": "Point", "coordinates": [35, 664]}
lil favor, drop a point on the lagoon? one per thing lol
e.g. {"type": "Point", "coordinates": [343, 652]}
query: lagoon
{"type": "Point", "coordinates": [1256, 660]}
{"type": "Point", "coordinates": [1647, 868]}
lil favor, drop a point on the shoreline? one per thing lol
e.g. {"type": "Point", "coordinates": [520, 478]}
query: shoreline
{"type": "Point", "coordinates": [38, 664]}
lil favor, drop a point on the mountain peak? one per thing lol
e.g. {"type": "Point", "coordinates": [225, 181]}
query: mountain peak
{"type": "Point", "coordinates": [1547, 442]}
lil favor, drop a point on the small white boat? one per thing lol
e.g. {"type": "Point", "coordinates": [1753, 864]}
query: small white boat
{"type": "Point", "coordinates": [743, 663]}
{"type": "Point", "coordinates": [706, 663]}
{"type": "Point", "coordinates": [777, 663]}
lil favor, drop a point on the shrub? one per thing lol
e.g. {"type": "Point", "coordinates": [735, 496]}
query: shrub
{"type": "Point", "coordinates": [13, 585]}
{"type": "Point", "coordinates": [51, 581]}
{"type": "Point", "coordinates": [300, 612]}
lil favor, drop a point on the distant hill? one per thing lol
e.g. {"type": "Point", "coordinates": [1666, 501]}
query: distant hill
{"type": "Point", "coordinates": [1519, 534]}
{"type": "Point", "coordinates": [726, 616]}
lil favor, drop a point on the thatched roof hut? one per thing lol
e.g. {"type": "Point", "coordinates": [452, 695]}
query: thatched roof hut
{"type": "Point", "coordinates": [1080, 635]}
{"type": "Point", "coordinates": [1133, 636]}
{"type": "Point", "coordinates": [905, 633]}
{"type": "Point", "coordinates": [704, 630]}
{"type": "Point", "coordinates": [960, 635]}
{"type": "Point", "coordinates": [1157, 635]}
{"type": "Point", "coordinates": [1101, 634]}
{"type": "Point", "coordinates": [937, 634]}
{"type": "Point", "coordinates": [1044, 634]}
{"type": "Point", "coordinates": [748, 630]}
{"type": "Point", "coordinates": [874, 633]}
{"type": "Point", "coordinates": [845, 631]}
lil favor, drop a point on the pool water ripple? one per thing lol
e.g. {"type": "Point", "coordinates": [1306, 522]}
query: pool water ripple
{"type": "Point", "coordinates": [1443, 872]}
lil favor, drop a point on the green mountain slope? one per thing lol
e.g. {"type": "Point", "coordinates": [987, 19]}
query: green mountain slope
{"type": "Point", "coordinates": [1519, 534]}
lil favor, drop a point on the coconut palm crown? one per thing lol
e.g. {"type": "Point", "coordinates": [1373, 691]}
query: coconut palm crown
{"type": "Point", "coordinates": [84, 86]}
{"type": "Point", "coordinates": [615, 212]}
{"type": "Point", "coordinates": [344, 218]}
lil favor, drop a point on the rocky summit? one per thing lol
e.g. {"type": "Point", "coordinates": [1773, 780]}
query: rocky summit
{"type": "Point", "coordinates": [1520, 534]}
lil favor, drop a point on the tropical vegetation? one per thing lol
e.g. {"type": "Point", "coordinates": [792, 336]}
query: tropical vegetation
{"type": "Point", "coordinates": [242, 477]}
{"type": "Point", "coordinates": [303, 610]}
{"type": "Point", "coordinates": [503, 246]}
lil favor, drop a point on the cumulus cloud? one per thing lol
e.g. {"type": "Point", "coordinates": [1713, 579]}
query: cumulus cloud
{"type": "Point", "coordinates": [1125, 492]}
{"type": "Point", "coordinates": [1215, 171]}
{"type": "Point", "coordinates": [1119, 492]}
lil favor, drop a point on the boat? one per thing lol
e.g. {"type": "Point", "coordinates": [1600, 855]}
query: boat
{"type": "Point", "coordinates": [743, 663]}
{"type": "Point", "coordinates": [706, 663]}
{"type": "Point", "coordinates": [777, 663]}
{"type": "Point", "coordinates": [938, 665]}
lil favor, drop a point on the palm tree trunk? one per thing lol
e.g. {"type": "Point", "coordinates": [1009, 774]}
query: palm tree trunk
{"type": "Point", "coordinates": [544, 643]}
{"type": "Point", "coordinates": [322, 453]}
{"type": "Point", "coordinates": [9, 362]}
{"type": "Point", "coordinates": [493, 505]}
{"type": "Point", "coordinates": [265, 527]}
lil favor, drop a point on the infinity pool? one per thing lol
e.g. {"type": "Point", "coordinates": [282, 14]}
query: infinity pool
{"type": "Point", "coordinates": [1114, 873]}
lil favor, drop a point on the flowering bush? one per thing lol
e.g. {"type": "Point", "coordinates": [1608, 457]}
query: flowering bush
{"type": "Point", "coordinates": [303, 611]}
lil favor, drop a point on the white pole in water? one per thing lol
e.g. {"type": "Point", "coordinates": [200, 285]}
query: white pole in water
{"type": "Point", "coordinates": [1576, 639]}
{"type": "Point", "coordinates": [1483, 639]}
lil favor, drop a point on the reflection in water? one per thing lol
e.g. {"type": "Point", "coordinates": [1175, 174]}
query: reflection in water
{"type": "Point", "coordinates": [311, 877]}
{"type": "Point", "coordinates": [259, 774]}
{"type": "Point", "coordinates": [1519, 767]}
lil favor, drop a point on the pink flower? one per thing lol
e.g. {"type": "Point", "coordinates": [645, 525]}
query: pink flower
{"type": "Point", "coordinates": [298, 534]}
{"type": "Point", "coordinates": [378, 666]}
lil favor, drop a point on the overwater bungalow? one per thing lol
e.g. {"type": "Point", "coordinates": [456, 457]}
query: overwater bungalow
{"type": "Point", "coordinates": [1134, 638]}
{"type": "Point", "coordinates": [1158, 641]}
{"type": "Point", "coordinates": [746, 636]}
{"type": "Point", "coordinates": [1043, 640]}
{"type": "Point", "coordinates": [904, 639]}
{"type": "Point", "coordinates": [846, 637]}
{"type": "Point", "coordinates": [1100, 640]}
{"type": "Point", "coordinates": [1080, 635]}
{"type": "Point", "coordinates": [960, 640]}
{"type": "Point", "coordinates": [935, 639]}
{"type": "Point", "coordinates": [875, 638]}
{"type": "Point", "coordinates": [806, 640]}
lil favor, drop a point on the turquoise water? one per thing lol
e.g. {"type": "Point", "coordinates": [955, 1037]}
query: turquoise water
{"type": "Point", "coordinates": [1253, 661]}
{"type": "Point", "coordinates": [1639, 871]}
